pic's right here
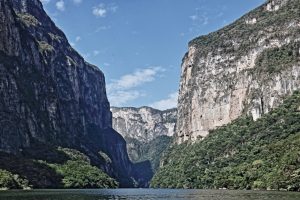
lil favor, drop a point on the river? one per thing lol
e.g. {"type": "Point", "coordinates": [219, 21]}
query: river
{"type": "Point", "coordinates": [146, 194]}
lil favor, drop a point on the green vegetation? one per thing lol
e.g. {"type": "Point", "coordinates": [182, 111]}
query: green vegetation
{"type": "Point", "coordinates": [79, 173]}
{"type": "Point", "coordinates": [276, 59]}
{"type": "Point", "coordinates": [10, 181]}
{"type": "Point", "coordinates": [246, 154]}
{"type": "Point", "coordinates": [239, 37]}
{"type": "Point", "coordinates": [50, 168]}
{"type": "Point", "coordinates": [28, 20]}
{"type": "Point", "coordinates": [44, 46]}
{"type": "Point", "coordinates": [151, 151]}
{"type": "Point", "coordinates": [55, 37]}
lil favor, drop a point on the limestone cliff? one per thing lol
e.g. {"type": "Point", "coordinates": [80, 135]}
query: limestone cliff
{"type": "Point", "coordinates": [49, 95]}
{"type": "Point", "coordinates": [145, 123]}
{"type": "Point", "coordinates": [146, 130]}
{"type": "Point", "coordinates": [248, 67]}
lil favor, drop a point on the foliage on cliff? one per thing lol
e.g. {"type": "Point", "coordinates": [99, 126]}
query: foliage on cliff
{"type": "Point", "coordinates": [10, 181]}
{"type": "Point", "coordinates": [57, 168]}
{"type": "Point", "coordinates": [246, 154]}
{"type": "Point", "coordinates": [240, 37]}
{"type": "Point", "coordinates": [151, 151]}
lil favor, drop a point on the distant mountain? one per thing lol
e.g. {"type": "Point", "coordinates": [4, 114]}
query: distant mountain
{"type": "Point", "coordinates": [147, 131]}
{"type": "Point", "coordinates": [235, 129]}
{"type": "Point", "coordinates": [55, 119]}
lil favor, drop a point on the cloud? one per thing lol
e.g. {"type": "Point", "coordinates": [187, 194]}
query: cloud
{"type": "Point", "coordinates": [119, 98]}
{"type": "Point", "coordinates": [135, 79]}
{"type": "Point", "coordinates": [102, 10]}
{"type": "Point", "coordinates": [99, 11]}
{"type": "Point", "coordinates": [194, 17]}
{"type": "Point", "coordinates": [77, 39]}
{"type": "Point", "coordinates": [164, 104]}
{"type": "Point", "coordinates": [102, 28]}
{"type": "Point", "coordinates": [60, 5]}
{"type": "Point", "coordinates": [124, 90]}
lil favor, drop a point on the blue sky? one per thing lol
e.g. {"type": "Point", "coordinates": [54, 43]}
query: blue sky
{"type": "Point", "coordinates": [139, 44]}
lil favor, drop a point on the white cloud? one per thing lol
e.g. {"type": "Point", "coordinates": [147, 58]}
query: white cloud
{"type": "Point", "coordinates": [123, 90]}
{"type": "Point", "coordinates": [135, 79]}
{"type": "Point", "coordinates": [170, 102]}
{"type": "Point", "coordinates": [194, 17]}
{"type": "Point", "coordinates": [102, 28]}
{"type": "Point", "coordinates": [77, 39]}
{"type": "Point", "coordinates": [99, 11]}
{"type": "Point", "coordinates": [45, 1]}
{"type": "Point", "coordinates": [60, 5]}
{"type": "Point", "coordinates": [119, 98]}
{"type": "Point", "coordinates": [102, 10]}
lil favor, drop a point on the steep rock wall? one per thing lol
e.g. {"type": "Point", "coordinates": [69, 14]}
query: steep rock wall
{"type": "Point", "coordinates": [144, 124]}
{"type": "Point", "coordinates": [49, 95]}
{"type": "Point", "coordinates": [247, 67]}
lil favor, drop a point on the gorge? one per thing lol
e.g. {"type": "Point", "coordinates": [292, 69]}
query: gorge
{"type": "Point", "coordinates": [236, 125]}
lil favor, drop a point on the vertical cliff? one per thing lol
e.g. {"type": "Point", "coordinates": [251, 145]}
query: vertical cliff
{"type": "Point", "coordinates": [50, 96]}
{"type": "Point", "coordinates": [248, 67]}
{"type": "Point", "coordinates": [145, 123]}
{"type": "Point", "coordinates": [147, 131]}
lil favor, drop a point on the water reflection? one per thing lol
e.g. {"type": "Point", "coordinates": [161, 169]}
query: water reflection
{"type": "Point", "coordinates": [146, 194]}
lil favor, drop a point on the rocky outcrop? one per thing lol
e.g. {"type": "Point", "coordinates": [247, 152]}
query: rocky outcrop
{"type": "Point", "coordinates": [147, 131]}
{"type": "Point", "coordinates": [145, 123]}
{"type": "Point", "coordinates": [247, 67]}
{"type": "Point", "coordinates": [50, 95]}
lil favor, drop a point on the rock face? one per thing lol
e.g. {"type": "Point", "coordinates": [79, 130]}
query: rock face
{"type": "Point", "coordinates": [247, 67]}
{"type": "Point", "coordinates": [144, 124]}
{"type": "Point", "coordinates": [50, 95]}
{"type": "Point", "coordinates": [147, 131]}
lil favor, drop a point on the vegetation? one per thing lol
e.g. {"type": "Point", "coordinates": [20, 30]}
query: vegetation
{"type": "Point", "coordinates": [55, 37]}
{"type": "Point", "coordinates": [276, 59]}
{"type": "Point", "coordinates": [151, 151]}
{"type": "Point", "coordinates": [79, 173]}
{"type": "Point", "coordinates": [45, 47]}
{"type": "Point", "coordinates": [246, 154]}
{"type": "Point", "coordinates": [239, 37]}
{"type": "Point", "coordinates": [28, 20]}
{"type": "Point", "coordinates": [10, 181]}
{"type": "Point", "coordinates": [50, 168]}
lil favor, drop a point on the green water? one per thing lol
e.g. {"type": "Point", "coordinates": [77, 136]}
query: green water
{"type": "Point", "coordinates": [146, 194]}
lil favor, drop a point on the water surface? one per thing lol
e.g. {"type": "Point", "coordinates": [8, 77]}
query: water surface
{"type": "Point", "coordinates": [146, 194]}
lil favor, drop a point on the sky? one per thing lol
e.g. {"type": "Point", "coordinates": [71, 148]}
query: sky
{"type": "Point", "coordinates": [139, 44]}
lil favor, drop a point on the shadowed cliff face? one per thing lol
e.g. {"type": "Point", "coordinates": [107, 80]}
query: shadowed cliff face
{"type": "Point", "coordinates": [49, 94]}
{"type": "Point", "coordinates": [247, 67]}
